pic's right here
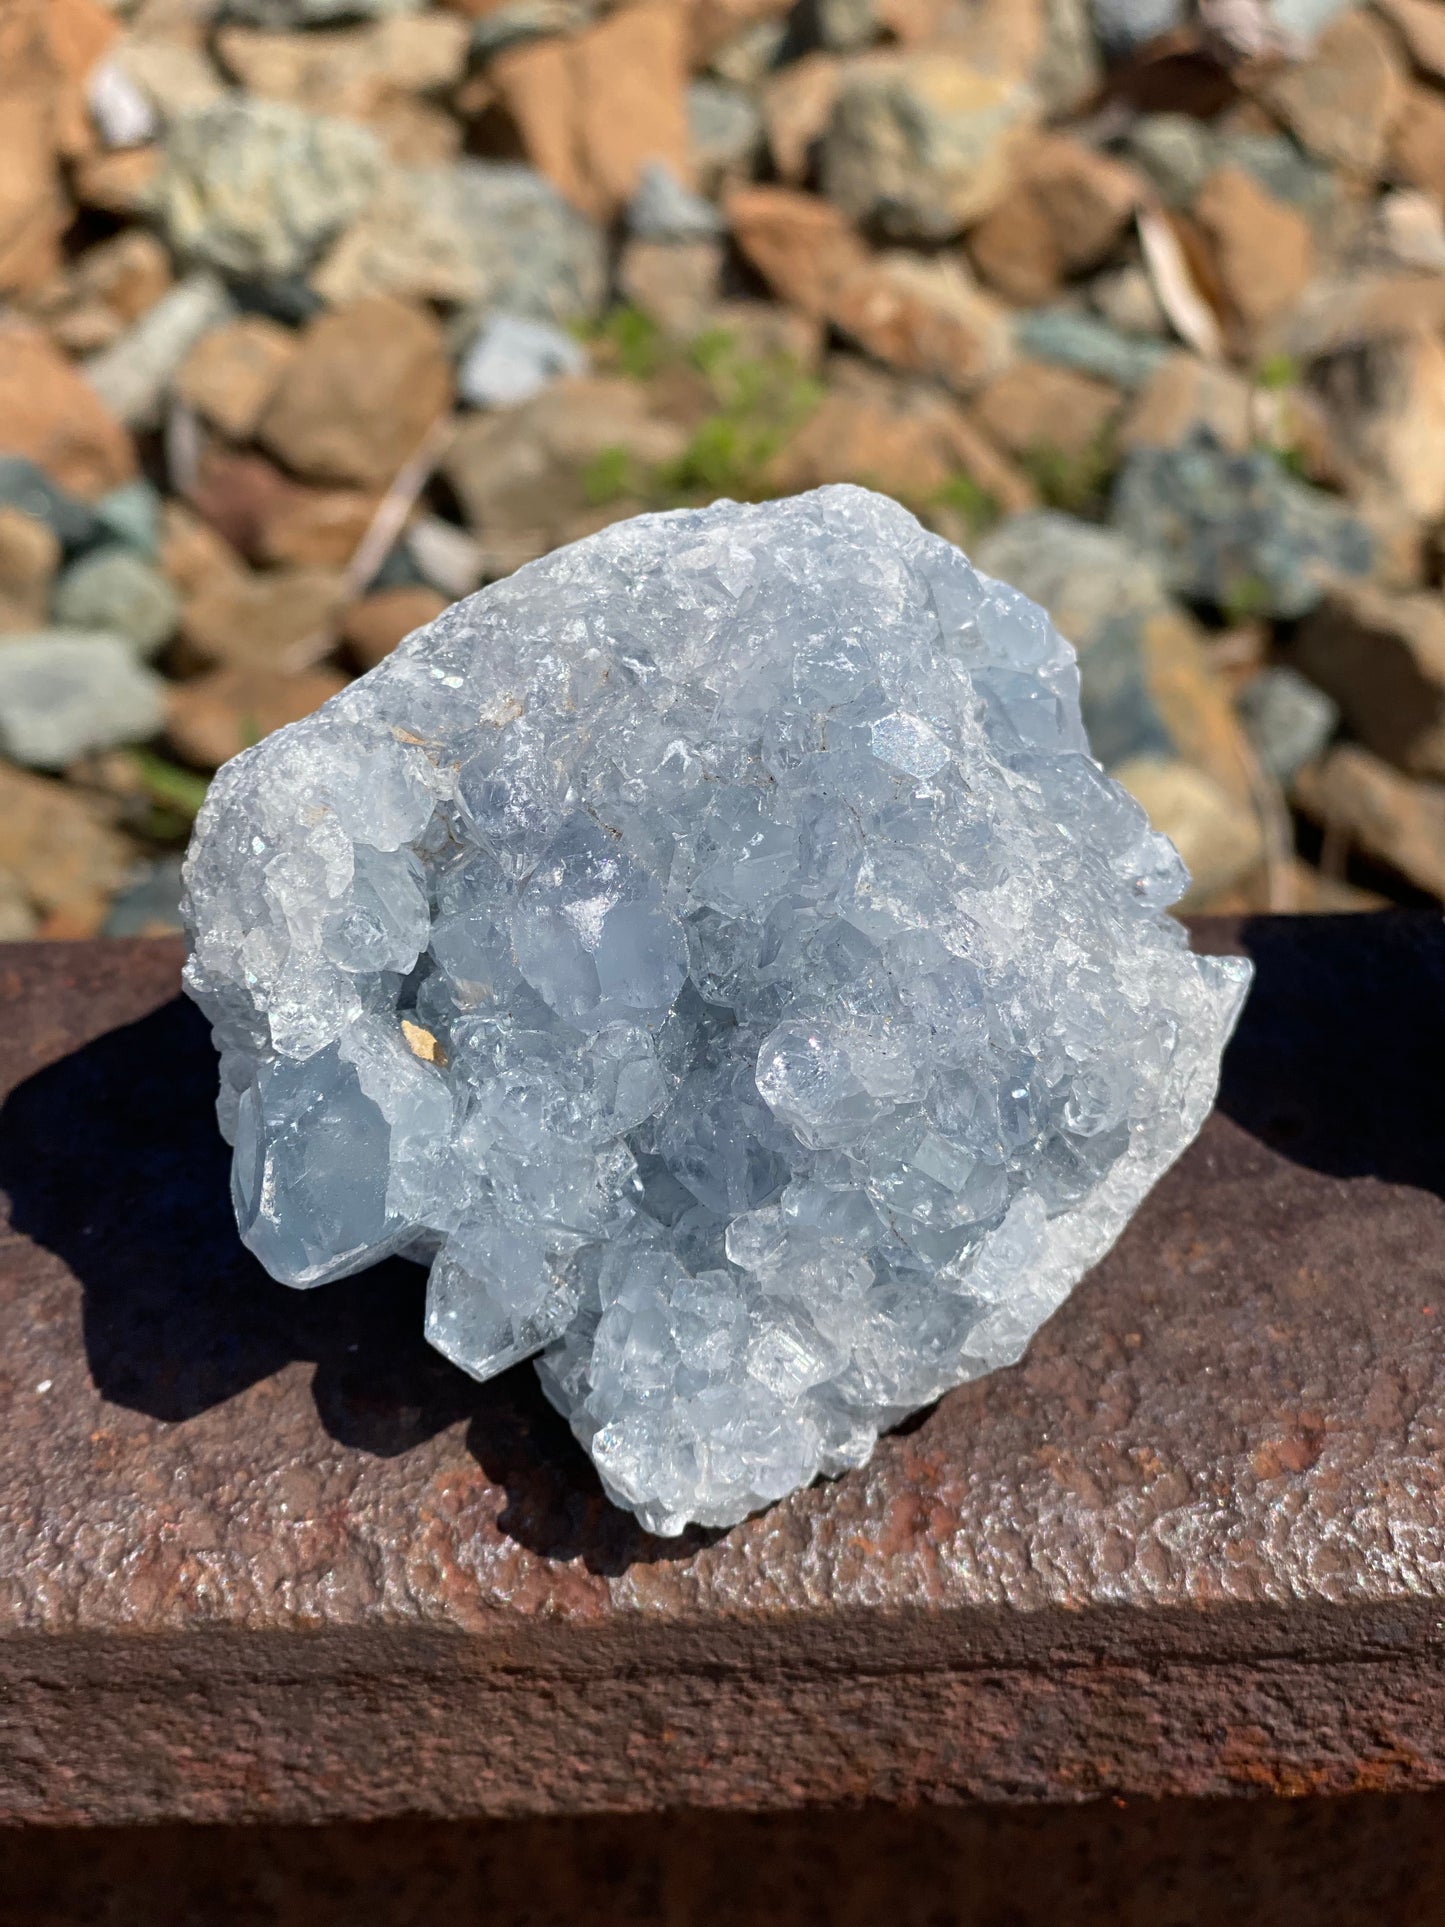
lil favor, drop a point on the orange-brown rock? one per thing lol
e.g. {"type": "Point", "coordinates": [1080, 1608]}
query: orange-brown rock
{"type": "Point", "coordinates": [631, 85]}
{"type": "Point", "coordinates": [592, 110]}
{"type": "Point", "coordinates": [1184, 393]}
{"type": "Point", "coordinates": [1342, 100]}
{"type": "Point", "coordinates": [1063, 214]}
{"type": "Point", "coordinates": [108, 288]}
{"type": "Point", "coordinates": [759, 330]}
{"type": "Point", "coordinates": [81, 33]}
{"type": "Point", "coordinates": [1395, 819]}
{"type": "Point", "coordinates": [535, 85]}
{"type": "Point", "coordinates": [49, 411]}
{"type": "Point", "coordinates": [675, 283]}
{"type": "Point", "coordinates": [270, 517]}
{"type": "Point", "coordinates": [1417, 141]}
{"type": "Point", "coordinates": [915, 312]}
{"type": "Point", "coordinates": [1263, 249]}
{"type": "Point", "coordinates": [116, 183]}
{"type": "Point", "coordinates": [129, 272]}
{"type": "Point", "coordinates": [910, 442]}
{"type": "Point", "coordinates": [923, 315]}
{"type": "Point", "coordinates": [417, 132]}
{"type": "Point", "coordinates": [231, 374]}
{"type": "Point", "coordinates": [29, 562]}
{"type": "Point", "coordinates": [1382, 658]}
{"type": "Point", "coordinates": [522, 474]}
{"type": "Point", "coordinates": [57, 843]}
{"type": "Point", "coordinates": [357, 72]}
{"type": "Point", "coordinates": [316, 527]}
{"type": "Point", "coordinates": [803, 247]}
{"type": "Point", "coordinates": [1421, 25]}
{"type": "Point", "coordinates": [216, 716]}
{"type": "Point", "coordinates": [381, 72]}
{"type": "Point", "coordinates": [1037, 407]}
{"type": "Point", "coordinates": [375, 625]}
{"type": "Point", "coordinates": [238, 494]}
{"type": "Point", "coordinates": [255, 621]}
{"type": "Point", "coordinates": [1385, 403]}
{"type": "Point", "coordinates": [192, 553]}
{"type": "Point", "coordinates": [33, 206]}
{"type": "Point", "coordinates": [366, 385]}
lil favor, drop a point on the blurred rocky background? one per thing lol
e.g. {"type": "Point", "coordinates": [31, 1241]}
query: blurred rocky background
{"type": "Point", "coordinates": [317, 314]}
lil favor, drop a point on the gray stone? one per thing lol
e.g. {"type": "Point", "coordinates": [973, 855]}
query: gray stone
{"type": "Point", "coordinates": [663, 209]}
{"type": "Point", "coordinates": [1069, 68]}
{"type": "Point", "coordinates": [1305, 20]}
{"type": "Point", "coordinates": [1287, 719]}
{"type": "Point", "coordinates": [1176, 151]}
{"type": "Point", "coordinates": [131, 514]}
{"type": "Point", "coordinates": [513, 359]}
{"type": "Point", "coordinates": [726, 126]}
{"type": "Point", "coordinates": [26, 486]}
{"type": "Point", "coordinates": [149, 904]}
{"type": "Point", "coordinates": [751, 55]}
{"type": "Point", "coordinates": [714, 953]}
{"type": "Point", "coordinates": [133, 376]}
{"type": "Point", "coordinates": [258, 188]}
{"type": "Point", "coordinates": [1236, 531]}
{"type": "Point", "coordinates": [480, 235]}
{"type": "Point", "coordinates": [114, 589]}
{"type": "Point", "coordinates": [443, 556]}
{"type": "Point", "coordinates": [520, 20]}
{"type": "Point", "coordinates": [1083, 341]}
{"type": "Point", "coordinates": [920, 145]}
{"type": "Point", "coordinates": [1157, 717]}
{"type": "Point", "coordinates": [1282, 169]}
{"type": "Point", "coordinates": [1123, 25]}
{"type": "Point", "coordinates": [1125, 298]}
{"type": "Point", "coordinates": [64, 693]}
{"type": "Point", "coordinates": [846, 26]}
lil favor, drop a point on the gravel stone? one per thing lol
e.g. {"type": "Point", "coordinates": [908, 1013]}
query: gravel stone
{"type": "Point", "coordinates": [66, 692]}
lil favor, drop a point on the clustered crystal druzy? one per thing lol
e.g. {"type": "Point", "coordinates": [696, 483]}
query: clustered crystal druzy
{"type": "Point", "coordinates": [714, 952]}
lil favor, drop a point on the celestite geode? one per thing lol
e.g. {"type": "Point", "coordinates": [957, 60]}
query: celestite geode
{"type": "Point", "coordinates": [714, 952]}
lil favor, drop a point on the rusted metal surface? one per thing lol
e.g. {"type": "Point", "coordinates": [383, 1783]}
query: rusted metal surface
{"type": "Point", "coordinates": [264, 1556]}
{"type": "Point", "coordinates": [1372, 1861]}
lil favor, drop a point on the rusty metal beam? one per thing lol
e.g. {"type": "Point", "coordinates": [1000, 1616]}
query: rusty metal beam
{"type": "Point", "coordinates": [265, 1557]}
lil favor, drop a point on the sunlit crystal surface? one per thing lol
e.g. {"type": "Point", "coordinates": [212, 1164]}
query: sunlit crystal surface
{"type": "Point", "coordinates": [713, 951]}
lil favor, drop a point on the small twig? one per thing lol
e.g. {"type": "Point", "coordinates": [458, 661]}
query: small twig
{"type": "Point", "coordinates": [1190, 315]}
{"type": "Point", "coordinates": [182, 448]}
{"type": "Point", "coordinates": [392, 512]}
{"type": "Point", "coordinates": [396, 505]}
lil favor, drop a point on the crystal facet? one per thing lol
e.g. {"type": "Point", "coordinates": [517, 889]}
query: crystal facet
{"type": "Point", "coordinates": [715, 953]}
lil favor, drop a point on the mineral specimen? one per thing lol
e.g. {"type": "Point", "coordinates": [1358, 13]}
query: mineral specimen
{"type": "Point", "coordinates": [715, 953]}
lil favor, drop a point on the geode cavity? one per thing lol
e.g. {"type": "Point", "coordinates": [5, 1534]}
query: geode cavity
{"type": "Point", "coordinates": [715, 953]}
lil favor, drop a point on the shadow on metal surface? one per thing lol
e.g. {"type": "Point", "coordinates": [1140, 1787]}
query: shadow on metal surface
{"type": "Point", "coordinates": [112, 1160]}
{"type": "Point", "coordinates": [1339, 1070]}
{"type": "Point", "coordinates": [1357, 1862]}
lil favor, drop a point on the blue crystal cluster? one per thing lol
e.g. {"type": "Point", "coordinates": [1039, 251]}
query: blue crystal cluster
{"type": "Point", "coordinates": [714, 953]}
